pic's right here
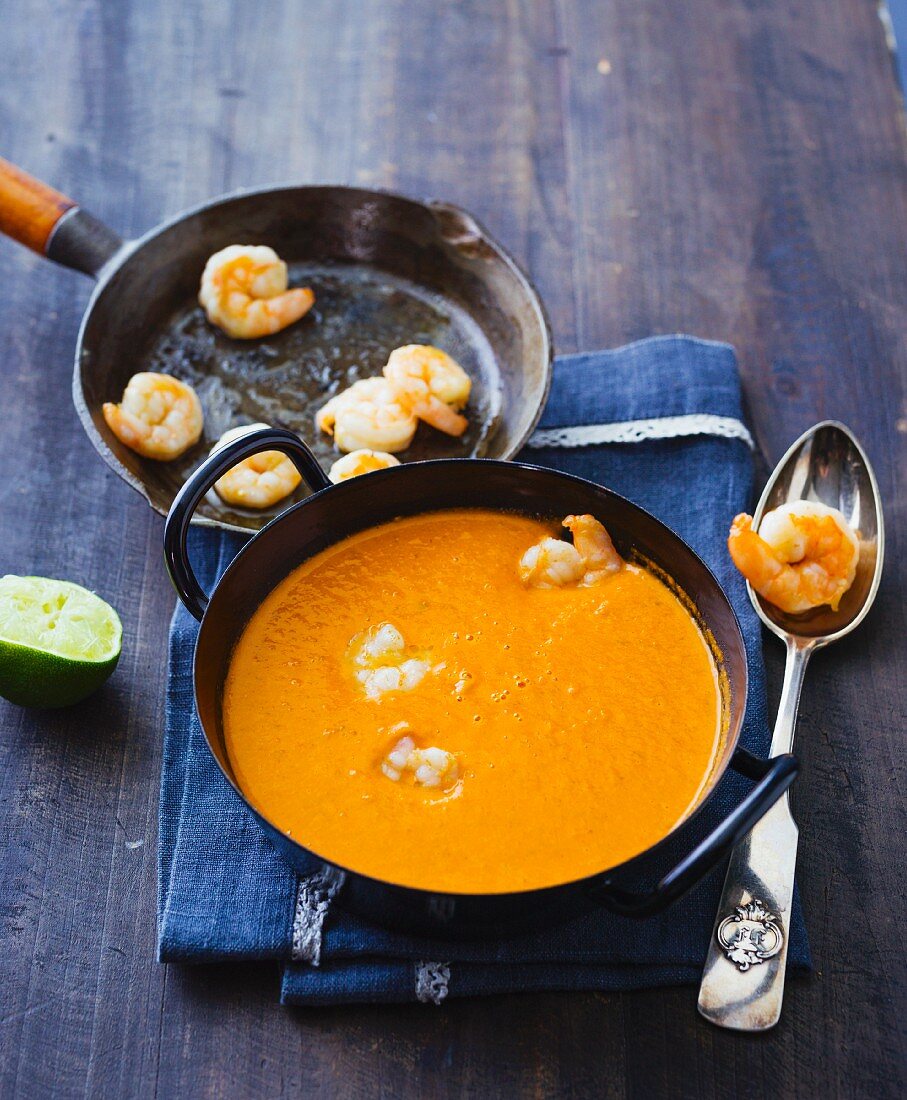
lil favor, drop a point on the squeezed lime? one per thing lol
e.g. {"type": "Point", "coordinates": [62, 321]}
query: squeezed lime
{"type": "Point", "coordinates": [58, 641]}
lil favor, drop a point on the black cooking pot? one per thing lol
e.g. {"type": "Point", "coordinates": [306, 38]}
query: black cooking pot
{"type": "Point", "coordinates": [334, 512]}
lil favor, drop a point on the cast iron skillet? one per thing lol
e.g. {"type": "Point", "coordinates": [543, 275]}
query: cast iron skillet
{"type": "Point", "coordinates": [386, 271]}
{"type": "Point", "coordinates": [334, 512]}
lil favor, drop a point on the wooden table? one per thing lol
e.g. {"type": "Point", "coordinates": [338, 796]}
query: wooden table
{"type": "Point", "coordinates": [720, 167]}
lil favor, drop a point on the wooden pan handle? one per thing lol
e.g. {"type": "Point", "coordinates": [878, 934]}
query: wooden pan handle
{"type": "Point", "coordinates": [29, 209]}
{"type": "Point", "coordinates": [34, 215]}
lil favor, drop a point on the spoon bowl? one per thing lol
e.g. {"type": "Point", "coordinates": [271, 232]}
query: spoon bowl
{"type": "Point", "coordinates": [827, 465]}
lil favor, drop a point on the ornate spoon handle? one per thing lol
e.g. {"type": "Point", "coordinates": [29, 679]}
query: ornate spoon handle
{"type": "Point", "coordinates": [743, 981]}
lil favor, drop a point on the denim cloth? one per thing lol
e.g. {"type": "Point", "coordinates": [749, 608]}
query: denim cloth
{"type": "Point", "coordinates": [224, 893]}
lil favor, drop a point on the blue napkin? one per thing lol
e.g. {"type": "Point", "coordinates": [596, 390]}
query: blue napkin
{"type": "Point", "coordinates": [658, 421]}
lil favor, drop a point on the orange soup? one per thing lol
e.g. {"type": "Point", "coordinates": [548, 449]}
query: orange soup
{"type": "Point", "coordinates": [403, 705]}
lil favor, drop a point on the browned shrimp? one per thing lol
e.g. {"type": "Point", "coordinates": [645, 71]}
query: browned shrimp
{"type": "Point", "coordinates": [804, 555]}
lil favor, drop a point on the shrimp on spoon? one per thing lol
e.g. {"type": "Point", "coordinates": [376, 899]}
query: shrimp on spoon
{"type": "Point", "coordinates": [804, 555]}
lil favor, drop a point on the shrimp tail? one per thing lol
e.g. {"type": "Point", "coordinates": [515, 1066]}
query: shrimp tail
{"type": "Point", "coordinates": [751, 554]}
{"type": "Point", "coordinates": [296, 303]}
{"type": "Point", "coordinates": [772, 578]}
{"type": "Point", "coordinates": [594, 545]}
{"type": "Point", "coordinates": [440, 415]}
{"type": "Point", "coordinates": [325, 418]}
{"type": "Point", "coordinates": [123, 425]}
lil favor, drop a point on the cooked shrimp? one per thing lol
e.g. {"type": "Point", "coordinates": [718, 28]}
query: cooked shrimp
{"type": "Point", "coordinates": [370, 416]}
{"type": "Point", "coordinates": [804, 555]}
{"type": "Point", "coordinates": [258, 481]}
{"type": "Point", "coordinates": [434, 767]}
{"type": "Point", "coordinates": [376, 643]}
{"type": "Point", "coordinates": [385, 678]}
{"type": "Point", "coordinates": [431, 767]}
{"type": "Point", "coordinates": [360, 462]}
{"type": "Point", "coordinates": [159, 416]}
{"type": "Point", "coordinates": [434, 384]}
{"type": "Point", "coordinates": [394, 764]}
{"type": "Point", "coordinates": [594, 545]}
{"type": "Point", "coordinates": [244, 292]}
{"type": "Point", "coordinates": [551, 563]}
{"type": "Point", "coordinates": [381, 665]}
{"type": "Point", "coordinates": [554, 563]}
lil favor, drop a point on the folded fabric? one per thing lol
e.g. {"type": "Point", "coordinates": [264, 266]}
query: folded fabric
{"type": "Point", "coordinates": [658, 421]}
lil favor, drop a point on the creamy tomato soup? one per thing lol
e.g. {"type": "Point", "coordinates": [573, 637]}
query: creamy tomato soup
{"type": "Point", "coordinates": [403, 705]}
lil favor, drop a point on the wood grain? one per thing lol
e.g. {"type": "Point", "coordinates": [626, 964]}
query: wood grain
{"type": "Point", "coordinates": [731, 169]}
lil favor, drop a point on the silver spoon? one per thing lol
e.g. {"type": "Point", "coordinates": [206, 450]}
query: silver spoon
{"type": "Point", "coordinates": [743, 982]}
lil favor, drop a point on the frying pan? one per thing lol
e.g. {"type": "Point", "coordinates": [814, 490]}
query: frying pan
{"type": "Point", "coordinates": [386, 270]}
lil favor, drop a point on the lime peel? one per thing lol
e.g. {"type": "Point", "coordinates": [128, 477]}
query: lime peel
{"type": "Point", "coordinates": [58, 641]}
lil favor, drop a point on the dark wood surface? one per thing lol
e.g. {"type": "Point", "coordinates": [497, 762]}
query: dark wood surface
{"type": "Point", "coordinates": [727, 168]}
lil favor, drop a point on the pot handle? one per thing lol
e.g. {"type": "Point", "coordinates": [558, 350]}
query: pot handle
{"type": "Point", "coordinates": [775, 777]}
{"type": "Point", "coordinates": [176, 527]}
{"type": "Point", "coordinates": [47, 222]}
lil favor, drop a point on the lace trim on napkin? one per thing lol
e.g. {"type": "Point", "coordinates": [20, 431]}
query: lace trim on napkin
{"type": "Point", "coordinates": [431, 981]}
{"type": "Point", "coordinates": [314, 895]}
{"type": "Point", "coordinates": [638, 431]}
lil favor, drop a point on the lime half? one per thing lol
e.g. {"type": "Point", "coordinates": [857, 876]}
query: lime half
{"type": "Point", "coordinates": [58, 641]}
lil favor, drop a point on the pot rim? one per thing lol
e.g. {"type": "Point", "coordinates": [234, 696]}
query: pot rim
{"type": "Point", "coordinates": [736, 706]}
